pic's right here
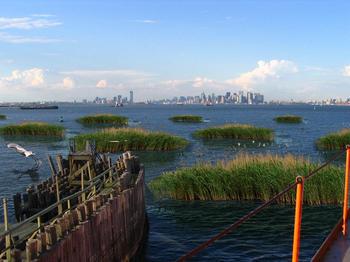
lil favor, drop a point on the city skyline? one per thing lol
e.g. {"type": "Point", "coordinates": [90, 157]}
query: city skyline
{"type": "Point", "coordinates": [52, 52]}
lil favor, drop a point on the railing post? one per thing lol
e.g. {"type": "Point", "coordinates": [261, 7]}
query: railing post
{"type": "Point", "coordinates": [83, 197]}
{"type": "Point", "coordinates": [58, 196]}
{"type": "Point", "coordinates": [8, 236]}
{"type": "Point", "coordinates": [297, 218]}
{"type": "Point", "coordinates": [110, 171]}
{"type": "Point", "coordinates": [38, 220]}
{"type": "Point", "coordinates": [346, 191]}
{"type": "Point", "coordinates": [90, 177]}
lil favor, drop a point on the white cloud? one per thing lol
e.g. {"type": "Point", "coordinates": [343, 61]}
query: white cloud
{"type": "Point", "coordinates": [264, 70]}
{"type": "Point", "coordinates": [68, 83]}
{"type": "Point", "coordinates": [26, 23]}
{"type": "Point", "coordinates": [201, 81]}
{"type": "Point", "coordinates": [99, 73]}
{"type": "Point", "coordinates": [102, 84]}
{"type": "Point", "coordinates": [17, 39]}
{"type": "Point", "coordinates": [147, 21]}
{"type": "Point", "coordinates": [28, 78]}
{"type": "Point", "coordinates": [346, 70]}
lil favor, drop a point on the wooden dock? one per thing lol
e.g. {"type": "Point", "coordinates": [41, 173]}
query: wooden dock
{"type": "Point", "coordinates": [90, 209]}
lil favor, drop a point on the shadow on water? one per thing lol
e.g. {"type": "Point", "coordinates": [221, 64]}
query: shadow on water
{"type": "Point", "coordinates": [32, 173]}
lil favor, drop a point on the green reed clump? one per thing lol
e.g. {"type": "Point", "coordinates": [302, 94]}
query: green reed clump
{"type": "Point", "coordinates": [121, 139]}
{"type": "Point", "coordinates": [186, 118]}
{"type": "Point", "coordinates": [2, 117]}
{"type": "Point", "coordinates": [251, 177]}
{"type": "Point", "coordinates": [104, 120]}
{"type": "Point", "coordinates": [236, 131]}
{"type": "Point", "coordinates": [334, 141]}
{"type": "Point", "coordinates": [33, 129]}
{"type": "Point", "coordinates": [289, 119]}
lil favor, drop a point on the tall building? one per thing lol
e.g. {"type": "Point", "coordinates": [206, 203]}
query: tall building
{"type": "Point", "coordinates": [131, 100]}
{"type": "Point", "coordinates": [250, 98]}
{"type": "Point", "coordinates": [258, 98]}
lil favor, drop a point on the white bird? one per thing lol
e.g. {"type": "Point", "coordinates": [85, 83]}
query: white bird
{"type": "Point", "coordinates": [19, 149]}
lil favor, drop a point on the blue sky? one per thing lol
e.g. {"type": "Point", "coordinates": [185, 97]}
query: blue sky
{"type": "Point", "coordinates": [65, 50]}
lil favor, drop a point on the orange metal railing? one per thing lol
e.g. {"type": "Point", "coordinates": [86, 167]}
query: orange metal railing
{"type": "Point", "coordinates": [297, 217]}
{"type": "Point", "coordinates": [299, 185]}
{"type": "Point", "coordinates": [346, 192]}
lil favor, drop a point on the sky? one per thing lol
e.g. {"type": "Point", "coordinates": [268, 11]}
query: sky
{"type": "Point", "coordinates": [70, 50]}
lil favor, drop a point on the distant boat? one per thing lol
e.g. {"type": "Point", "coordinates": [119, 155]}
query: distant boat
{"type": "Point", "coordinates": [209, 104]}
{"type": "Point", "coordinates": [35, 107]}
{"type": "Point", "coordinates": [119, 105]}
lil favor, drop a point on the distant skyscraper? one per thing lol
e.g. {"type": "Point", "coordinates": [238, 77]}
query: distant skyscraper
{"type": "Point", "coordinates": [131, 100]}
{"type": "Point", "coordinates": [119, 100]}
{"type": "Point", "coordinates": [250, 98]}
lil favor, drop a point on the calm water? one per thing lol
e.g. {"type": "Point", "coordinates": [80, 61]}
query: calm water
{"type": "Point", "coordinates": [176, 226]}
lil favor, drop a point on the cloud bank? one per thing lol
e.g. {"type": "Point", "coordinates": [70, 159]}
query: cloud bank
{"type": "Point", "coordinates": [265, 70]}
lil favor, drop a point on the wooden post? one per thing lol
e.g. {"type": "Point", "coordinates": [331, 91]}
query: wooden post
{"type": "Point", "coordinates": [297, 218]}
{"type": "Point", "coordinates": [58, 196]}
{"type": "Point", "coordinates": [110, 171]}
{"type": "Point", "coordinates": [59, 164]}
{"type": "Point", "coordinates": [51, 236]}
{"type": "Point", "coordinates": [6, 224]}
{"type": "Point", "coordinates": [90, 177]}
{"type": "Point", "coordinates": [31, 249]}
{"type": "Point", "coordinates": [346, 192]}
{"type": "Point", "coordinates": [39, 224]}
{"type": "Point", "coordinates": [82, 186]}
{"type": "Point", "coordinates": [52, 167]}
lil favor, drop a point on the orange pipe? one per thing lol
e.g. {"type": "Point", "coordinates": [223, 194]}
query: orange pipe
{"type": "Point", "coordinates": [346, 191]}
{"type": "Point", "coordinates": [297, 218]}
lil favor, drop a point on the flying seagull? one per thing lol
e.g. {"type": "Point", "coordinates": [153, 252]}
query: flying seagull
{"type": "Point", "coordinates": [25, 153]}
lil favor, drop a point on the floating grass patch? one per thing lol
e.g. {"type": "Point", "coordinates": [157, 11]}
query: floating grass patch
{"type": "Point", "coordinates": [103, 120]}
{"type": "Point", "coordinates": [33, 129]}
{"type": "Point", "coordinates": [289, 119]}
{"type": "Point", "coordinates": [121, 139]}
{"type": "Point", "coordinates": [236, 131]}
{"type": "Point", "coordinates": [186, 119]}
{"type": "Point", "coordinates": [2, 117]}
{"type": "Point", "coordinates": [250, 177]}
{"type": "Point", "coordinates": [334, 141]}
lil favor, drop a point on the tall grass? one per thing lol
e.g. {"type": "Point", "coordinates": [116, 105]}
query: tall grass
{"type": "Point", "coordinates": [186, 118]}
{"type": "Point", "coordinates": [121, 139]}
{"type": "Point", "coordinates": [236, 131]}
{"type": "Point", "coordinates": [334, 141]}
{"type": "Point", "coordinates": [2, 117]}
{"type": "Point", "coordinates": [250, 177]}
{"type": "Point", "coordinates": [104, 120]}
{"type": "Point", "coordinates": [33, 129]}
{"type": "Point", "coordinates": [289, 119]}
